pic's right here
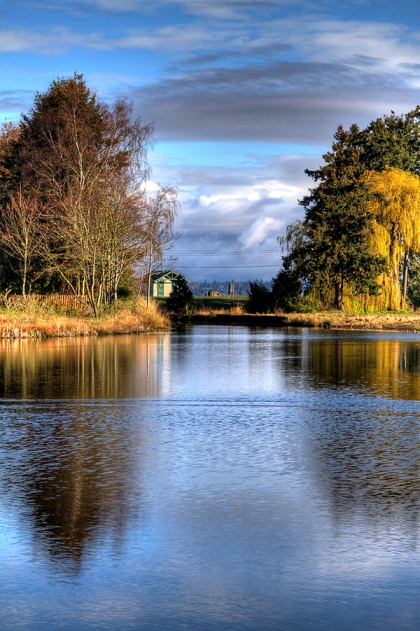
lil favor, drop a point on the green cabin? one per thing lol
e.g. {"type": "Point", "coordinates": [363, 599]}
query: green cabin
{"type": "Point", "coordinates": [163, 283]}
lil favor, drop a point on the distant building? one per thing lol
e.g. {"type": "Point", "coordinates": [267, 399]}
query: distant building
{"type": "Point", "coordinates": [212, 293]}
{"type": "Point", "coordinates": [163, 283]}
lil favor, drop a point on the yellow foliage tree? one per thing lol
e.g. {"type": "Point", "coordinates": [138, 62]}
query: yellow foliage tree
{"type": "Point", "coordinates": [396, 207]}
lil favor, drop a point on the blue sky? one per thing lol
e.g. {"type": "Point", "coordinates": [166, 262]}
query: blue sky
{"type": "Point", "coordinates": [244, 95]}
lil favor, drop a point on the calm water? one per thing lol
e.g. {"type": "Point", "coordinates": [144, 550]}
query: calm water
{"type": "Point", "coordinates": [212, 479]}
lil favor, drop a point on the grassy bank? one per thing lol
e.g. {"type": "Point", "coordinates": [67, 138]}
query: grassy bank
{"type": "Point", "coordinates": [325, 319]}
{"type": "Point", "coordinates": [371, 321]}
{"type": "Point", "coordinates": [34, 320]}
{"type": "Point", "coordinates": [209, 308]}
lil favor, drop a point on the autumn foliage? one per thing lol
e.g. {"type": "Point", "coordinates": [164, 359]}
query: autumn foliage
{"type": "Point", "coordinates": [360, 238]}
{"type": "Point", "coordinates": [74, 214]}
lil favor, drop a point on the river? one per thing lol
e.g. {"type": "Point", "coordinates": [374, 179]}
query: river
{"type": "Point", "coordinates": [211, 478]}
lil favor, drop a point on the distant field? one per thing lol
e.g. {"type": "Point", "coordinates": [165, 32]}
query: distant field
{"type": "Point", "coordinates": [220, 302]}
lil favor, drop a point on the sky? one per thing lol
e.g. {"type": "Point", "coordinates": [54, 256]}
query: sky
{"type": "Point", "coordinates": [244, 96]}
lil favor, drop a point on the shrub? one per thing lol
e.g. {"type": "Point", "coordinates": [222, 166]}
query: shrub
{"type": "Point", "coordinates": [260, 299]}
{"type": "Point", "coordinates": [181, 300]}
{"type": "Point", "coordinates": [303, 304]}
{"type": "Point", "coordinates": [287, 290]}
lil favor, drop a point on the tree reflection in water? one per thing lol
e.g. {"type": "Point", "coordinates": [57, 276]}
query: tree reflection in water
{"type": "Point", "coordinates": [364, 434]}
{"type": "Point", "coordinates": [72, 443]}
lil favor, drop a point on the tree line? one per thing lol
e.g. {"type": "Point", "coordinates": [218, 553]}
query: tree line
{"type": "Point", "coordinates": [358, 245]}
{"type": "Point", "coordinates": [74, 213]}
{"type": "Point", "coordinates": [242, 287]}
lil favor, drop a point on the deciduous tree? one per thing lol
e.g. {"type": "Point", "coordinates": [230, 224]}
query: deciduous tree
{"type": "Point", "coordinates": [396, 207]}
{"type": "Point", "coordinates": [159, 212]}
{"type": "Point", "coordinates": [20, 230]}
{"type": "Point", "coordinates": [85, 161]}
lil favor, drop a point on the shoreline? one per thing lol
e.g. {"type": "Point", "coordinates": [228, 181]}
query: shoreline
{"type": "Point", "coordinates": [51, 329]}
{"type": "Point", "coordinates": [140, 320]}
{"type": "Point", "coordinates": [324, 320]}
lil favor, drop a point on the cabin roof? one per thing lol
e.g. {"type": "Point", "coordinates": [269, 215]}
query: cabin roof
{"type": "Point", "coordinates": [168, 274]}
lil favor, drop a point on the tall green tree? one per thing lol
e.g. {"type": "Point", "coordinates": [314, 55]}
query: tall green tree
{"type": "Point", "coordinates": [330, 247]}
{"type": "Point", "coordinates": [391, 141]}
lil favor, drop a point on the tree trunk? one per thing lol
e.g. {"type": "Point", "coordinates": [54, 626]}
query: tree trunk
{"type": "Point", "coordinates": [339, 294]}
{"type": "Point", "coordinates": [115, 289]}
{"type": "Point", "coordinates": [24, 279]}
{"type": "Point", "coordinates": [405, 275]}
{"type": "Point", "coordinates": [394, 267]}
{"type": "Point", "coordinates": [149, 276]}
{"type": "Point", "coordinates": [149, 280]}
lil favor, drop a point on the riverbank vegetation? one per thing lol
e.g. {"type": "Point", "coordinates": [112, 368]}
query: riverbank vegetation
{"type": "Point", "coordinates": [206, 305]}
{"type": "Point", "coordinates": [358, 247]}
{"type": "Point", "coordinates": [33, 318]}
{"type": "Point", "coordinates": [75, 215]}
{"type": "Point", "coordinates": [406, 322]}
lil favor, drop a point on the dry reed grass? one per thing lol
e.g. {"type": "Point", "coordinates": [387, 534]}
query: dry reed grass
{"type": "Point", "coordinates": [36, 321]}
{"type": "Point", "coordinates": [371, 321]}
{"type": "Point", "coordinates": [307, 319]}
{"type": "Point", "coordinates": [214, 311]}
{"type": "Point", "coordinates": [334, 319]}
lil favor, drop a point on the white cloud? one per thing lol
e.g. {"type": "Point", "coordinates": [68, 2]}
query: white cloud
{"type": "Point", "coordinates": [172, 39]}
{"type": "Point", "coordinates": [236, 209]}
{"type": "Point", "coordinates": [378, 46]}
{"type": "Point", "coordinates": [168, 38]}
{"type": "Point", "coordinates": [54, 41]}
{"type": "Point", "coordinates": [361, 44]}
{"type": "Point", "coordinates": [258, 232]}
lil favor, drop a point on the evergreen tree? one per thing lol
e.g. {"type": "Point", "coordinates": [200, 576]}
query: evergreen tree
{"type": "Point", "coordinates": [392, 141]}
{"type": "Point", "coordinates": [260, 298]}
{"type": "Point", "coordinates": [330, 248]}
{"type": "Point", "coordinates": [181, 300]}
{"type": "Point", "coordinates": [287, 287]}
